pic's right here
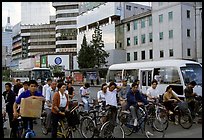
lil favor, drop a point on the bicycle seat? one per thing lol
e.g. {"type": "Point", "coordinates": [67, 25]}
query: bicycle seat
{"type": "Point", "coordinates": [93, 111]}
{"type": "Point", "coordinates": [125, 111]}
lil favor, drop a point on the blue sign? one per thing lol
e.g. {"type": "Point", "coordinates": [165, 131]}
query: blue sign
{"type": "Point", "coordinates": [58, 60]}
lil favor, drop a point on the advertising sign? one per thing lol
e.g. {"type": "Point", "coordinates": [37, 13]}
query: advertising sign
{"type": "Point", "coordinates": [43, 61]}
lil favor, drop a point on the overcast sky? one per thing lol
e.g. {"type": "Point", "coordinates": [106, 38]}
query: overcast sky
{"type": "Point", "coordinates": [13, 9]}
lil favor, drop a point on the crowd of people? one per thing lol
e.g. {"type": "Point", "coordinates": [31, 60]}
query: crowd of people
{"type": "Point", "coordinates": [56, 97]}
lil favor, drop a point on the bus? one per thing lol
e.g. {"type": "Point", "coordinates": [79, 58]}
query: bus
{"type": "Point", "coordinates": [38, 74]}
{"type": "Point", "coordinates": [177, 73]}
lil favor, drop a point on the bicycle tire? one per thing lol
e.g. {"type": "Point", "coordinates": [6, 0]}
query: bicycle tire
{"type": "Point", "coordinates": [185, 120]}
{"type": "Point", "coordinates": [161, 123]}
{"type": "Point", "coordinates": [125, 123]}
{"type": "Point", "coordinates": [108, 130]}
{"type": "Point", "coordinates": [43, 126]}
{"type": "Point", "coordinates": [87, 127]}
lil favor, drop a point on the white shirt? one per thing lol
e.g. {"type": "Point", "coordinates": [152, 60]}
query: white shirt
{"type": "Point", "coordinates": [110, 97]}
{"type": "Point", "coordinates": [101, 95]}
{"type": "Point", "coordinates": [82, 91]}
{"type": "Point", "coordinates": [63, 100]}
{"type": "Point", "coordinates": [49, 95]}
{"type": "Point", "coordinates": [45, 87]}
{"type": "Point", "coordinates": [152, 92]}
{"type": "Point", "coordinates": [21, 90]}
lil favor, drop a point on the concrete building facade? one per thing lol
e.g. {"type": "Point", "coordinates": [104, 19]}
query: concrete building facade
{"type": "Point", "coordinates": [87, 21]}
{"type": "Point", "coordinates": [171, 30]}
{"type": "Point", "coordinates": [33, 13]}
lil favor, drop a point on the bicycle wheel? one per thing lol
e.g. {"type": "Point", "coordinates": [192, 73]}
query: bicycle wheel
{"type": "Point", "coordinates": [150, 131]}
{"type": "Point", "coordinates": [161, 123]}
{"type": "Point", "coordinates": [76, 133]}
{"type": "Point", "coordinates": [87, 127]}
{"type": "Point", "coordinates": [108, 130]}
{"type": "Point", "coordinates": [43, 126]}
{"type": "Point", "coordinates": [185, 120]}
{"type": "Point", "coordinates": [125, 123]}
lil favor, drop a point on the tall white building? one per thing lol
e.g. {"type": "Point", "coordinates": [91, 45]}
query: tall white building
{"type": "Point", "coordinates": [107, 15]}
{"type": "Point", "coordinates": [35, 13]}
{"type": "Point", "coordinates": [171, 30]}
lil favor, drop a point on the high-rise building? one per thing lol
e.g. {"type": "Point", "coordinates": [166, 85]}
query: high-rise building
{"type": "Point", "coordinates": [35, 13]}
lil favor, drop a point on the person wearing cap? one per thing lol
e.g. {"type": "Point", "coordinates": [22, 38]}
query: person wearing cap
{"type": "Point", "coordinates": [123, 92]}
{"type": "Point", "coordinates": [190, 97]}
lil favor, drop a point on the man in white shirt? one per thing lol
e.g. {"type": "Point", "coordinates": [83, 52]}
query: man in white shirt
{"type": "Point", "coordinates": [101, 95]}
{"type": "Point", "coordinates": [24, 88]}
{"type": "Point", "coordinates": [84, 92]}
{"type": "Point", "coordinates": [45, 87]}
{"type": "Point", "coordinates": [111, 100]}
{"type": "Point", "coordinates": [152, 92]}
{"type": "Point", "coordinates": [48, 102]}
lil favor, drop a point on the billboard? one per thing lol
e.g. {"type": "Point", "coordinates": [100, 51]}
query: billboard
{"type": "Point", "coordinates": [60, 60]}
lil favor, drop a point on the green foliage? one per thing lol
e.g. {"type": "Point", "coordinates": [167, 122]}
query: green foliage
{"type": "Point", "coordinates": [92, 55]}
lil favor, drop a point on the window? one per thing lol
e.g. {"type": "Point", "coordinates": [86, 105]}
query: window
{"type": "Point", "coordinates": [167, 75]}
{"type": "Point", "coordinates": [128, 56]}
{"type": "Point", "coordinates": [188, 12]}
{"type": "Point", "coordinates": [131, 74]}
{"type": "Point", "coordinates": [135, 40]}
{"type": "Point", "coordinates": [160, 35]}
{"type": "Point", "coordinates": [150, 21]}
{"type": "Point", "coordinates": [161, 54]}
{"type": "Point", "coordinates": [135, 25]}
{"type": "Point", "coordinates": [150, 54]}
{"type": "Point", "coordinates": [170, 33]}
{"type": "Point", "coordinates": [188, 33]}
{"type": "Point", "coordinates": [170, 15]}
{"type": "Point", "coordinates": [188, 52]}
{"type": "Point", "coordinates": [143, 38]}
{"type": "Point", "coordinates": [161, 18]}
{"type": "Point", "coordinates": [150, 37]}
{"type": "Point", "coordinates": [128, 26]}
{"type": "Point", "coordinates": [135, 55]}
{"type": "Point", "coordinates": [143, 55]}
{"type": "Point", "coordinates": [171, 53]}
{"type": "Point", "coordinates": [128, 7]}
{"type": "Point", "coordinates": [128, 41]}
{"type": "Point", "coordinates": [143, 23]}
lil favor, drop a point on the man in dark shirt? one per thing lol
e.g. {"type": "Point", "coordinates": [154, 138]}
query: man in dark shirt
{"type": "Point", "coordinates": [134, 99]}
{"type": "Point", "coordinates": [9, 97]}
{"type": "Point", "coordinates": [190, 97]}
{"type": "Point", "coordinates": [17, 86]}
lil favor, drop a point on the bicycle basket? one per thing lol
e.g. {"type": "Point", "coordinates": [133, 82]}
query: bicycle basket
{"type": "Point", "coordinates": [183, 106]}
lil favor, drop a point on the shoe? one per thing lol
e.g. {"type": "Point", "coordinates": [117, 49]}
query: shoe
{"type": "Point", "coordinates": [170, 112]}
{"type": "Point", "coordinates": [149, 134]}
{"type": "Point", "coordinates": [176, 123]}
{"type": "Point", "coordinates": [135, 122]}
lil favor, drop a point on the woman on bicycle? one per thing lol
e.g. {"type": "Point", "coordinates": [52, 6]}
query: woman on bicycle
{"type": "Point", "coordinates": [170, 101]}
{"type": "Point", "coordinates": [59, 106]}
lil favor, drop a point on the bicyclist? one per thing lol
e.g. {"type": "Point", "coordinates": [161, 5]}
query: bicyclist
{"type": "Point", "coordinates": [111, 101]}
{"type": "Point", "coordinates": [48, 103]}
{"type": "Point", "coordinates": [134, 99]}
{"type": "Point", "coordinates": [101, 94]}
{"type": "Point", "coordinates": [123, 92]}
{"type": "Point", "coordinates": [190, 97]}
{"type": "Point", "coordinates": [9, 97]}
{"type": "Point", "coordinates": [152, 92]}
{"type": "Point", "coordinates": [24, 88]}
{"type": "Point", "coordinates": [31, 93]}
{"type": "Point", "coordinates": [84, 91]}
{"type": "Point", "coordinates": [60, 104]}
{"type": "Point", "coordinates": [170, 101]}
{"type": "Point", "coordinates": [70, 89]}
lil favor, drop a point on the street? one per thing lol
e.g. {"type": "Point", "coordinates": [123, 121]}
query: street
{"type": "Point", "coordinates": [173, 131]}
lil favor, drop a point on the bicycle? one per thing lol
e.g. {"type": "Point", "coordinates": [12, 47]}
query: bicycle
{"type": "Point", "coordinates": [182, 114]}
{"type": "Point", "coordinates": [65, 130]}
{"type": "Point", "coordinates": [143, 123]}
{"type": "Point", "coordinates": [157, 113]}
{"type": "Point", "coordinates": [43, 119]}
{"type": "Point", "coordinates": [97, 124]}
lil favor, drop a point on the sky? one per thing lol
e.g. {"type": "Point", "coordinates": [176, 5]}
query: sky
{"type": "Point", "coordinates": [13, 9]}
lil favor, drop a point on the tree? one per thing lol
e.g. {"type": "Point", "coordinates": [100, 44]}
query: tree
{"type": "Point", "coordinates": [86, 55]}
{"type": "Point", "coordinates": [97, 44]}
